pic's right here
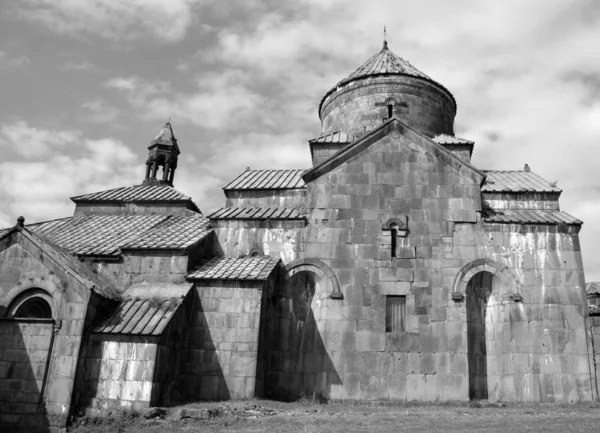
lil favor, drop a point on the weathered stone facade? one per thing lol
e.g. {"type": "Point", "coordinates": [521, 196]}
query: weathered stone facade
{"type": "Point", "coordinates": [391, 270]}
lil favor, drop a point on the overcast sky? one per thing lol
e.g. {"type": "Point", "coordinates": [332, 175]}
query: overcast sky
{"type": "Point", "coordinates": [85, 86]}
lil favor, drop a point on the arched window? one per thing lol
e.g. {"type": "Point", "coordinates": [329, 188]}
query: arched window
{"type": "Point", "coordinates": [34, 308]}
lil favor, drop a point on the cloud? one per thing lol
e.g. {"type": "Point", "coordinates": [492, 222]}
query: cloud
{"type": "Point", "coordinates": [40, 190]}
{"type": "Point", "coordinates": [164, 21]}
{"type": "Point", "coordinates": [81, 66]}
{"type": "Point", "coordinates": [31, 142]}
{"type": "Point", "coordinates": [99, 111]}
{"type": "Point", "coordinates": [13, 62]}
{"type": "Point", "coordinates": [216, 100]}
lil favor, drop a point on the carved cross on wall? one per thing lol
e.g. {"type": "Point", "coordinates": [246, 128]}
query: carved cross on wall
{"type": "Point", "coordinates": [393, 108]}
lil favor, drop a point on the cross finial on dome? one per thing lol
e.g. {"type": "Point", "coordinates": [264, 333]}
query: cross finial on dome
{"type": "Point", "coordinates": [384, 38]}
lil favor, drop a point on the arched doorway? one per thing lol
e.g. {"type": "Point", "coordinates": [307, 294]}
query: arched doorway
{"type": "Point", "coordinates": [479, 290]}
{"type": "Point", "coordinates": [298, 360]}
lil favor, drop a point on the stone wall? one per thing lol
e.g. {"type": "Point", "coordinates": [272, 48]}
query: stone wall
{"type": "Point", "coordinates": [272, 197]}
{"type": "Point", "coordinates": [223, 339]}
{"type": "Point", "coordinates": [594, 331]}
{"type": "Point", "coordinates": [535, 347]}
{"type": "Point", "coordinates": [523, 200]}
{"type": "Point", "coordinates": [24, 268]}
{"type": "Point", "coordinates": [133, 208]}
{"type": "Point", "coordinates": [23, 360]}
{"type": "Point", "coordinates": [280, 240]}
{"type": "Point", "coordinates": [118, 372]}
{"type": "Point", "coordinates": [359, 107]}
{"type": "Point", "coordinates": [321, 152]}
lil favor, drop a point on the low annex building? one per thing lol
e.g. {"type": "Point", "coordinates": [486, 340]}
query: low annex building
{"type": "Point", "coordinates": [392, 269]}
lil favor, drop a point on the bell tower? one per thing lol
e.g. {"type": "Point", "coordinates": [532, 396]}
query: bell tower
{"type": "Point", "coordinates": [163, 152]}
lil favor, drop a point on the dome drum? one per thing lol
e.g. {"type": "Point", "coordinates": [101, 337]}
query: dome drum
{"type": "Point", "coordinates": [361, 105]}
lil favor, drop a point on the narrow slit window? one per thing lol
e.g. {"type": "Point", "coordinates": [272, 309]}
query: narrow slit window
{"type": "Point", "coordinates": [390, 108]}
{"type": "Point", "coordinates": [395, 313]}
{"type": "Point", "coordinates": [394, 235]}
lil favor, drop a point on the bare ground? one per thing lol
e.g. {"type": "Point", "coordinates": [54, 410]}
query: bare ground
{"type": "Point", "coordinates": [312, 417]}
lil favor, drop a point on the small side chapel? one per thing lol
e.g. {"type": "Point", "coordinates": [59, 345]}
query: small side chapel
{"type": "Point", "coordinates": [392, 269]}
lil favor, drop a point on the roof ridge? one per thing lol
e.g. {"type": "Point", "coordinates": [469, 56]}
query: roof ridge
{"type": "Point", "coordinates": [68, 264]}
{"type": "Point", "coordinates": [330, 163]}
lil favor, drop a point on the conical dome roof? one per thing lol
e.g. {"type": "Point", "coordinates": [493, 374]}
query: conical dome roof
{"type": "Point", "coordinates": [385, 62]}
{"type": "Point", "coordinates": [165, 136]}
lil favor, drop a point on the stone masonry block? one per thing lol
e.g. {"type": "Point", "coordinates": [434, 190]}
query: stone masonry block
{"type": "Point", "coordinates": [370, 341]}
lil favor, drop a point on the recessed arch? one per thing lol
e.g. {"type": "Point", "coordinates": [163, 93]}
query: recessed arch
{"type": "Point", "coordinates": [318, 267]}
{"type": "Point", "coordinates": [509, 280]}
{"type": "Point", "coordinates": [34, 303]}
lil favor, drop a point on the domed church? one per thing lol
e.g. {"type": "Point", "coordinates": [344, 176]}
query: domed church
{"type": "Point", "coordinates": [392, 269]}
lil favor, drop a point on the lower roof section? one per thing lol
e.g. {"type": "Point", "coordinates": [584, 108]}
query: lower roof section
{"type": "Point", "coordinates": [258, 213]}
{"type": "Point", "coordinates": [241, 268]}
{"type": "Point", "coordinates": [106, 235]}
{"type": "Point", "coordinates": [146, 309]}
{"type": "Point", "coordinates": [267, 179]}
{"type": "Point", "coordinates": [528, 216]}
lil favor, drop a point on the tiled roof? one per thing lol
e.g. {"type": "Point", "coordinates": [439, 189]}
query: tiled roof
{"type": "Point", "coordinates": [73, 265]}
{"type": "Point", "coordinates": [145, 310]}
{"type": "Point", "coordinates": [385, 62]}
{"type": "Point", "coordinates": [257, 213]}
{"type": "Point", "coordinates": [177, 232]}
{"type": "Point", "coordinates": [267, 179]}
{"type": "Point", "coordinates": [334, 137]}
{"type": "Point", "coordinates": [243, 268]}
{"type": "Point", "coordinates": [449, 139]}
{"type": "Point", "coordinates": [528, 216]}
{"type": "Point", "coordinates": [106, 234]}
{"type": "Point", "coordinates": [592, 288]}
{"type": "Point", "coordinates": [516, 181]}
{"type": "Point", "coordinates": [135, 193]}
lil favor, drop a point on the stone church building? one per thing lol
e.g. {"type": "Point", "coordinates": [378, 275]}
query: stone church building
{"type": "Point", "coordinates": [392, 269]}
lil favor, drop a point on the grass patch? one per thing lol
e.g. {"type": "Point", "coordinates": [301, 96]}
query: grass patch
{"type": "Point", "coordinates": [310, 414]}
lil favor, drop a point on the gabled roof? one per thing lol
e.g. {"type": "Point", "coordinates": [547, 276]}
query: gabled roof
{"type": "Point", "coordinates": [394, 124]}
{"type": "Point", "coordinates": [334, 137]}
{"type": "Point", "coordinates": [146, 309]}
{"type": "Point", "coordinates": [137, 193]}
{"type": "Point", "coordinates": [528, 216]}
{"type": "Point", "coordinates": [105, 235]}
{"type": "Point", "coordinates": [267, 179]}
{"type": "Point", "coordinates": [258, 213]}
{"type": "Point", "coordinates": [229, 268]}
{"type": "Point", "coordinates": [516, 181]}
{"type": "Point", "coordinates": [70, 264]}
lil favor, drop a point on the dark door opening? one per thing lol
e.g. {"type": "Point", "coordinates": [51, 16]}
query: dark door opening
{"type": "Point", "coordinates": [478, 293]}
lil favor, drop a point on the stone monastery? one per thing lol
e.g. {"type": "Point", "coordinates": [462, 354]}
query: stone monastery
{"type": "Point", "coordinates": [392, 269]}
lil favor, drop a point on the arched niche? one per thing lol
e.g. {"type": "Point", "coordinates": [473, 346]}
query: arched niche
{"type": "Point", "coordinates": [508, 283]}
{"type": "Point", "coordinates": [33, 303]}
{"type": "Point", "coordinates": [324, 277]}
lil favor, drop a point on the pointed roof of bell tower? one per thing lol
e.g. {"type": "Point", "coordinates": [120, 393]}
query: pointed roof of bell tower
{"type": "Point", "coordinates": [166, 137]}
{"type": "Point", "coordinates": [385, 62]}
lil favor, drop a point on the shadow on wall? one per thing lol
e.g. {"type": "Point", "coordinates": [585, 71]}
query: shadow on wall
{"type": "Point", "coordinates": [202, 376]}
{"type": "Point", "coordinates": [298, 363]}
{"type": "Point", "coordinates": [25, 343]}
